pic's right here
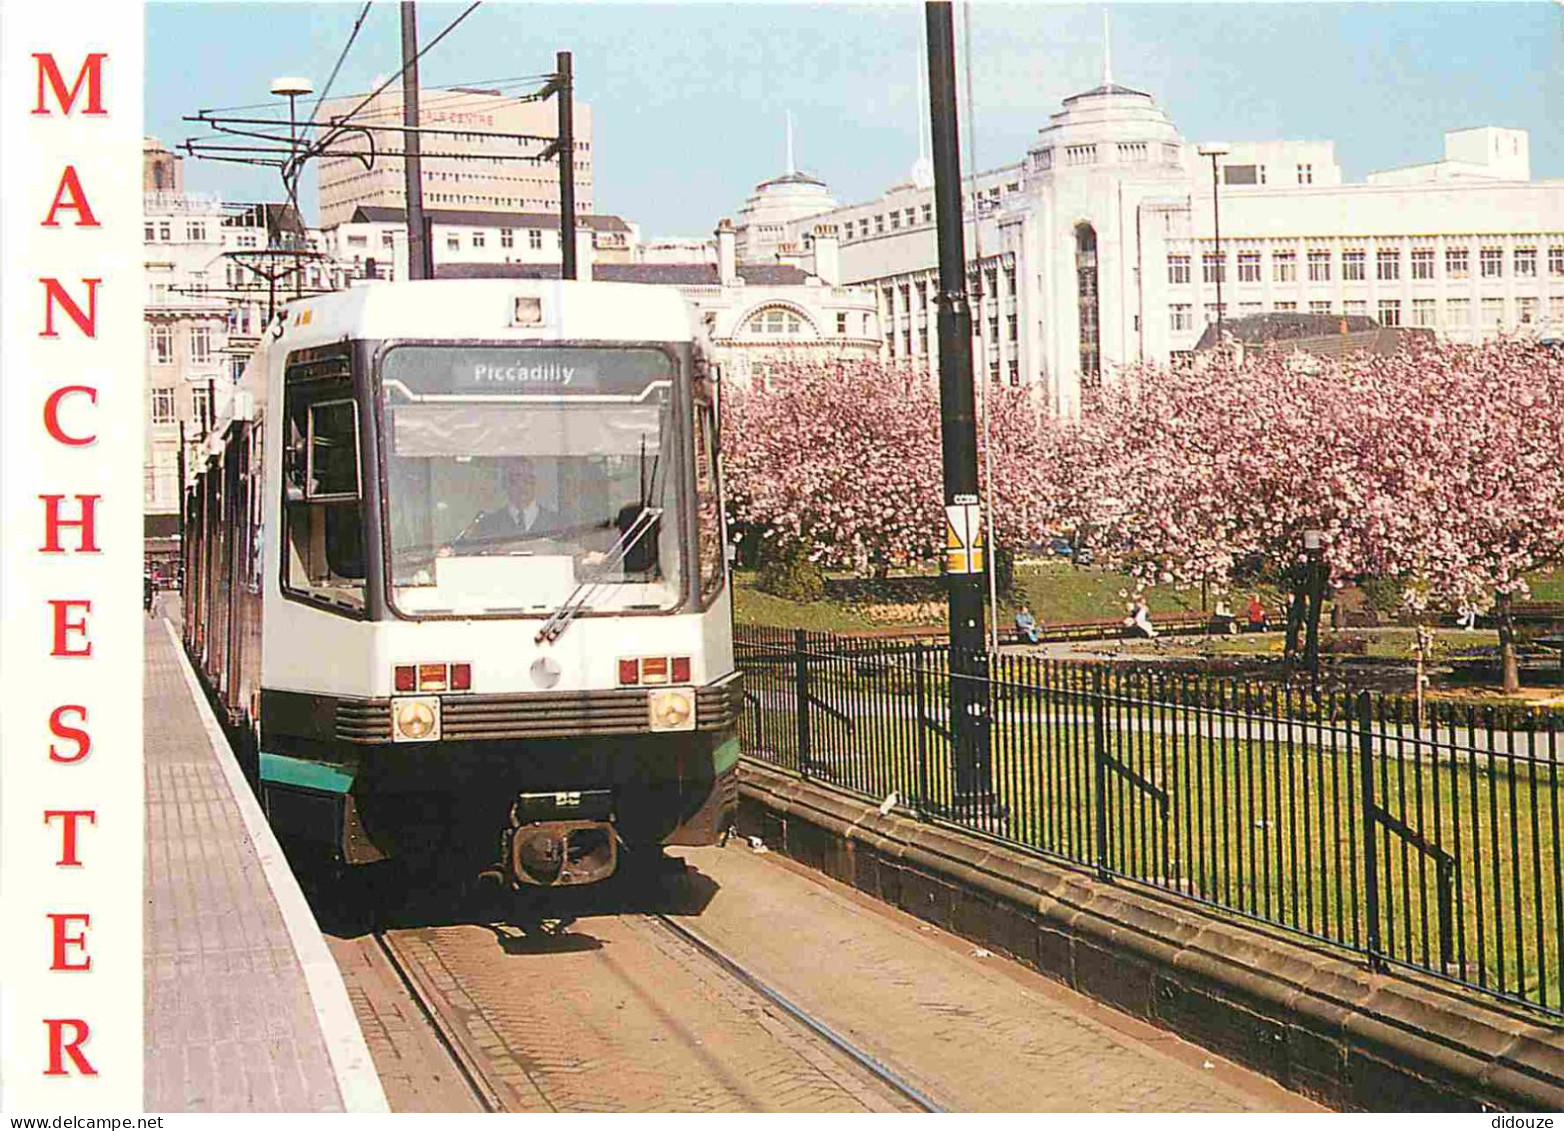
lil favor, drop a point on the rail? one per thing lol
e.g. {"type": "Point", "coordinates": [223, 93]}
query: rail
{"type": "Point", "coordinates": [1428, 843]}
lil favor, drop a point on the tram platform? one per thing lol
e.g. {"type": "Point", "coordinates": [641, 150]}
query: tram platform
{"type": "Point", "coordinates": [245, 1009]}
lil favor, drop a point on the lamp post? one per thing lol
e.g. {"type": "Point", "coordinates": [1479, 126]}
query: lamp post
{"type": "Point", "coordinates": [1213, 151]}
{"type": "Point", "coordinates": [291, 87]}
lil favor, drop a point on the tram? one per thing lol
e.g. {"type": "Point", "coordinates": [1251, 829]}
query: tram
{"type": "Point", "coordinates": [455, 577]}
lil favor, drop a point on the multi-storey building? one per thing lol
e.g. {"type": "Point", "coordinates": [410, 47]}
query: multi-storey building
{"type": "Point", "coordinates": [1098, 249]}
{"type": "Point", "coordinates": [186, 317]}
{"type": "Point", "coordinates": [468, 169]}
{"type": "Point", "coordinates": [372, 242]}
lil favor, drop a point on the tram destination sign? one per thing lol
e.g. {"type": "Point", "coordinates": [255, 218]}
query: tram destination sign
{"type": "Point", "coordinates": [508, 371]}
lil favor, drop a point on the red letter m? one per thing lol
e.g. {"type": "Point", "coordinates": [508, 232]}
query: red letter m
{"type": "Point", "coordinates": [91, 73]}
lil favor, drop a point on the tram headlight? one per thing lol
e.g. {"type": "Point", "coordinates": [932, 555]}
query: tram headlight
{"type": "Point", "coordinates": [672, 709]}
{"type": "Point", "coordinates": [415, 719]}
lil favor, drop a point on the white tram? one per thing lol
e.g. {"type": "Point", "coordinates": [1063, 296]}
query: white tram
{"type": "Point", "coordinates": [455, 573]}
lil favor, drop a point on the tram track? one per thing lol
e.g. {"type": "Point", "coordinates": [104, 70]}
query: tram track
{"type": "Point", "coordinates": [616, 1029]}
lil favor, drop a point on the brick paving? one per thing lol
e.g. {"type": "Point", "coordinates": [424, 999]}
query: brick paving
{"type": "Point", "coordinates": [229, 1021]}
{"type": "Point", "coordinates": [974, 1030]}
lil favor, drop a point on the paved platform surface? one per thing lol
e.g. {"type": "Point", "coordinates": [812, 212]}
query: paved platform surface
{"type": "Point", "coordinates": [972, 1029]}
{"type": "Point", "coordinates": [230, 1022]}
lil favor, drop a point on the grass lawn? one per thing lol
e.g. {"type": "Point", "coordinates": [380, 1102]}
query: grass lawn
{"type": "Point", "coordinates": [1056, 591]}
{"type": "Point", "coordinates": [1263, 822]}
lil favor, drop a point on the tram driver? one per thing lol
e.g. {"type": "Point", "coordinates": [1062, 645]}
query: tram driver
{"type": "Point", "coordinates": [520, 519]}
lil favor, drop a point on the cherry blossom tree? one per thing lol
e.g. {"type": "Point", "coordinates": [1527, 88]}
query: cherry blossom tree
{"type": "Point", "coordinates": [844, 457]}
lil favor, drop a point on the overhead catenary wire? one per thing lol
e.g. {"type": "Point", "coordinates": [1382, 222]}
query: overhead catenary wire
{"type": "Point", "coordinates": [341, 58]}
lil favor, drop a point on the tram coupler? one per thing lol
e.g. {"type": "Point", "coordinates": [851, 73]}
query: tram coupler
{"type": "Point", "coordinates": [544, 850]}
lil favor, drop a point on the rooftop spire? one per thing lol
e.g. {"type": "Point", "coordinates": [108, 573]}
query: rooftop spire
{"type": "Point", "coordinates": [1107, 50]}
{"type": "Point", "coordinates": [790, 169]}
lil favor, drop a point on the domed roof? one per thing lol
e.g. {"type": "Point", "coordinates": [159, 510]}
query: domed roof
{"type": "Point", "coordinates": [1108, 113]}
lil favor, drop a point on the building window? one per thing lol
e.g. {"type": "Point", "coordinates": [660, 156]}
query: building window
{"type": "Point", "coordinates": [1422, 312]}
{"type": "Point", "coordinates": [993, 327]}
{"type": "Point", "coordinates": [912, 217]}
{"type": "Point", "coordinates": [1239, 174]}
{"type": "Point", "coordinates": [197, 231]}
{"type": "Point", "coordinates": [165, 231]}
{"type": "Point", "coordinates": [879, 225]}
{"type": "Point", "coordinates": [1178, 268]}
{"type": "Point", "coordinates": [1080, 155]}
{"type": "Point", "coordinates": [248, 240]}
{"type": "Point", "coordinates": [895, 221]}
{"type": "Point", "coordinates": [1286, 307]}
{"type": "Point", "coordinates": [1389, 312]}
{"type": "Point", "coordinates": [1010, 280]}
{"type": "Point", "coordinates": [1556, 260]}
{"type": "Point", "coordinates": [923, 339]}
{"type": "Point", "coordinates": [200, 345]}
{"type": "Point", "coordinates": [1181, 316]}
{"type": "Point", "coordinates": [1458, 312]}
{"type": "Point", "coordinates": [779, 321]}
{"type": "Point", "coordinates": [1213, 268]}
{"type": "Point", "coordinates": [1526, 310]}
{"type": "Point", "coordinates": [477, 239]}
{"type": "Point", "coordinates": [1492, 260]}
{"type": "Point", "coordinates": [162, 406]}
{"type": "Point", "coordinates": [1249, 267]}
{"type": "Point", "coordinates": [162, 339]}
{"type": "Point", "coordinates": [1422, 263]}
{"type": "Point", "coordinates": [928, 214]}
{"type": "Point", "coordinates": [1212, 310]}
{"type": "Point", "coordinates": [453, 243]}
{"type": "Point", "coordinates": [1387, 265]}
{"type": "Point", "coordinates": [387, 239]}
{"type": "Point", "coordinates": [1011, 327]}
{"type": "Point", "coordinates": [358, 241]}
{"type": "Point", "coordinates": [1525, 263]}
{"type": "Point", "coordinates": [1319, 306]}
{"type": "Point", "coordinates": [507, 237]}
{"type": "Point", "coordinates": [1086, 303]}
{"type": "Point", "coordinates": [841, 323]}
{"type": "Point", "coordinates": [149, 231]}
{"type": "Point", "coordinates": [1284, 267]}
{"type": "Point", "coordinates": [1247, 308]}
{"type": "Point", "coordinates": [1493, 312]}
{"type": "Point", "coordinates": [1355, 306]}
{"type": "Point", "coordinates": [1305, 174]}
{"type": "Point", "coordinates": [1556, 308]}
{"type": "Point", "coordinates": [1352, 266]}
{"type": "Point", "coordinates": [1319, 266]}
{"type": "Point", "coordinates": [1014, 372]}
{"type": "Point", "coordinates": [535, 239]}
{"type": "Point", "coordinates": [1457, 263]}
{"type": "Point", "coordinates": [201, 407]}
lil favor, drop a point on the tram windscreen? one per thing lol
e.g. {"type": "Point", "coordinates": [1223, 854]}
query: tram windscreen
{"type": "Point", "coordinates": [514, 474]}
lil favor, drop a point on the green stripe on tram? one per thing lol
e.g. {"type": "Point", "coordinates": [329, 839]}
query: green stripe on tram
{"type": "Point", "coordinates": [725, 756]}
{"type": "Point", "coordinates": [322, 777]}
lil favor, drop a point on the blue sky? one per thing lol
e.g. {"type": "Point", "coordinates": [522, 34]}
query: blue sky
{"type": "Point", "coordinates": [688, 99]}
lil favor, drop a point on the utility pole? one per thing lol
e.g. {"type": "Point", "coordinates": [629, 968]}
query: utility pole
{"type": "Point", "coordinates": [969, 699]}
{"type": "Point", "coordinates": [564, 88]}
{"type": "Point", "coordinates": [420, 257]}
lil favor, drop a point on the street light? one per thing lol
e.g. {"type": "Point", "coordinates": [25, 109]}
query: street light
{"type": "Point", "coordinates": [1213, 151]}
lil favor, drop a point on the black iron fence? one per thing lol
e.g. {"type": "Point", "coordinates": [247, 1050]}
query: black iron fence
{"type": "Point", "coordinates": [1430, 842]}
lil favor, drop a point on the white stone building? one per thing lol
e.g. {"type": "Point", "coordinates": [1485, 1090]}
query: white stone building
{"type": "Point", "coordinates": [1097, 249]}
{"type": "Point", "coordinates": [372, 242]}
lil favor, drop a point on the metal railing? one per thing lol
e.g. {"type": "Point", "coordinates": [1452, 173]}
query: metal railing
{"type": "Point", "coordinates": [1430, 843]}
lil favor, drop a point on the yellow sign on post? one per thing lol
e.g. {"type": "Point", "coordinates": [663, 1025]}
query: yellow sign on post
{"type": "Point", "coordinates": [964, 544]}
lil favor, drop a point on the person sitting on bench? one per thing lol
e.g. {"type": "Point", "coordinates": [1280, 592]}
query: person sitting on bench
{"type": "Point", "coordinates": [1026, 624]}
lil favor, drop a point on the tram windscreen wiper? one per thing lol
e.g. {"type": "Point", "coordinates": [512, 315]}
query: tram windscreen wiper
{"type": "Point", "coordinates": [560, 618]}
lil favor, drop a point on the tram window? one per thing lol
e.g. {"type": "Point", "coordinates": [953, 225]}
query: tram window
{"type": "Point", "coordinates": [323, 552]}
{"type": "Point", "coordinates": [333, 451]}
{"type": "Point", "coordinates": [708, 510]}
